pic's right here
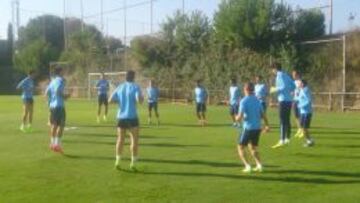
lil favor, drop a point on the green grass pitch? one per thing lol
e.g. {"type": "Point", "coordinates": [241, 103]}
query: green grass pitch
{"type": "Point", "coordinates": [179, 161]}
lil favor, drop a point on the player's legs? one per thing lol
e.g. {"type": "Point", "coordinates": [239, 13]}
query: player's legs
{"type": "Point", "coordinates": [203, 114]}
{"type": "Point", "coordinates": [121, 133]}
{"type": "Point", "coordinates": [150, 107]}
{"type": "Point", "coordinates": [24, 117]}
{"type": "Point", "coordinates": [243, 142]}
{"type": "Point", "coordinates": [305, 125]}
{"type": "Point", "coordinates": [134, 146]}
{"type": "Point", "coordinates": [30, 114]}
{"type": "Point", "coordinates": [285, 112]}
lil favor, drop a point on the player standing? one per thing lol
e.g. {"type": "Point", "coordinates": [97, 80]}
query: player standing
{"type": "Point", "coordinates": [297, 82]}
{"type": "Point", "coordinates": [127, 95]}
{"type": "Point", "coordinates": [153, 96]}
{"type": "Point", "coordinates": [103, 88]}
{"type": "Point", "coordinates": [200, 99]}
{"type": "Point", "coordinates": [27, 87]}
{"type": "Point", "coordinates": [261, 91]}
{"type": "Point", "coordinates": [235, 94]}
{"type": "Point", "coordinates": [56, 92]}
{"type": "Point", "coordinates": [250, 113]}
{"type": "Point", "coordinates": [305, 107]}
{"type": "Point", "coordinates": [284, 88]}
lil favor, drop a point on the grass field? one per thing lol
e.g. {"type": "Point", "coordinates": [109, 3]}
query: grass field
{"type": "Point", "coordinates": [180, 162]}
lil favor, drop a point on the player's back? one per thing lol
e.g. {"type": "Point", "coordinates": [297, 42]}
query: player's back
{"type": "Point", "coordinates": [235, 95]}
{"type": "Point", "coordinates": [200, 94]}
{"type": "Point", "coordinates": [55, 91]}
{"type": "Point", "coordinates": [127, 95]}
{"type": "Point", "coordinates": [251, 107]}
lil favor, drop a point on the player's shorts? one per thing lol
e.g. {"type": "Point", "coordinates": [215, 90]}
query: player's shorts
{"type": "Point", "coordinates": [28, 100]}
{"type": "Point", "coordinates": [250, 136]}
{"type": "Point", "coordinates": [128, 123]}
{"type": "Point", "coordinates": [305, 120]}
{"type": "Point", "coordinates": [58, 116]}
{"type": "Point", "coordinates": [200, 107]}
{"type": "Point", "coordinates": [234, 109]}
{"type": "Point", "coordinates": [102, 99]}
{"type": "Point", "coordinates": [296, 109]}
{"type": "Point", "coordinates": [153, 105]}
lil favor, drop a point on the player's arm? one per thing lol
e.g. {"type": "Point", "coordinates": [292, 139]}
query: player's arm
{"type": "Point", "coordinates": [240, 116]}
{"type": "Point", "coordinates": [139, 96]}
{"type": "Point", "coordinates": [266, 122]}
{"type": "Point", "coordinates": [113, 97]}
{"type": "Point", "coordinates": [21, 84]}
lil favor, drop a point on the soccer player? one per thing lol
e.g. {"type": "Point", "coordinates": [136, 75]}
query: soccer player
{"type": "Point", "coordinates": [235, 94]}
{"type": "Point", "coordinates": [261, 91]}
{"type": "Point", "coordinates": [297, 82]}
{"type": "Point", "coordinates": [27, 87]}
{"type": "Point", "coordinates": [284, 89]}
{"type": "Point", "coordinates": [127, 95]}
{"type": "Point", "coordinates": [305, 107]}
{"type": "Point", "coordinates": [250, 113]}
{"type": "Point", "coordinates": [103, 88]}
{"type": "Point", "coordinates": [153, 96]}
{"type": "Point", "coordinates": [200, 99]}
{"type": "Point", "coordinates": [56, 92]}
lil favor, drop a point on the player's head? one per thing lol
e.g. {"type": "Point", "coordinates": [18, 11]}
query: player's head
{"type": "Point", "coordinates": [151, 83]}
{"type": "Point", "coordinates": [258, 78]}
{"type": "Point", "coordinates": [249, 88]}
{"type": "Point", "coordinates": [275, 67]}
{"type": "Point", "coordinates": [130, 76]}
{"type": "Point", "coordinates": [31, 73]}
{"type": "Point", "coordinates": [198, 83]}
{"type": "Point", "coordinates": [233, 81]}
{"type": "Point", "coordinates": [303, 84]}
{"type": "Point", "coordinates": [295, 74]}
{"type": "Point", "coordinates": [102, 75]}
{"type": "Point", "coordinates": [58, 71]}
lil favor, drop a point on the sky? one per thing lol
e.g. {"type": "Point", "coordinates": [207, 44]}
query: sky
{"type": "Point", "coordinates": [138, 18]}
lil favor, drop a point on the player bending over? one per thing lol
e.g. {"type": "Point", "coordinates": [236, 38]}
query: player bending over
{"type": "Point", "coordinates": [127, 95]}
{"type": "Point", "coordinates": [235, 94]}
{"type": "Point", "coordinates": [200, 99]}
{"type": "Point", "coordinates": [305, 107]}
{"type": "Point", "coordinates": [250, 113]}
{"type": "Point", "coordinates": [153, 96]}
{"type": "Point", "coordinates": [27, 87]}
{"type": "Point", "coordinates": [103, 87]}
{"type": "Point", "coordinates": [56, 91]}
{"type": "Point", "coordinates": [284, 89]}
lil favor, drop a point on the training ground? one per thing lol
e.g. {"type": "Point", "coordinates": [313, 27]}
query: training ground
{"type": "Point", "coordinates": [179, 161]}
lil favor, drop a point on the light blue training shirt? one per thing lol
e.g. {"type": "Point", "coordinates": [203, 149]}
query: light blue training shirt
{"type": "Point", "coordinates": [305, 101]}
{"type": "Point", "coordinates": [152, 94]}
{"type": "Point", "coordinates": [261, 91]}
{"type": "Point", "coordinates": [200, 95]}
{"type": "Point", "coordinates": [127, 94]}
{"type": "Point", "coordinates": [56, 92]}
{"type": "Point", "coordinates": [252, 110]}
{"type": "Point", "coordinates": [27, 87]}
{"type": "Point", "coordinates": [235, 95]}
{"type": "Point", "coordinates": [284, 86]}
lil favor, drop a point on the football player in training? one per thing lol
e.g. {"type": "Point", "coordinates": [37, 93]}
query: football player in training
{"type": "Point", "coordinates": [27, 87]}
{"type": "Point", "coordinates": [305, 108]}
{"type": "Point", "coordinates": [297, 81]}
{"type": "Point", "coordinates": [250, 113]}
{"type": "Point", "coordinates": [57, 95]}
{"type": "Point", "coordinates": [103, 87]}
{"type": "Point", "coordinates": [261, 91]}
{"type": "Point", "coordinates": [200, 99]}
{"type": "Point", "coordinates": [153, 96]}
{"type": "Point", "coordinates": [127, 95]}
{"type": "Point", "coordinates": [234, 100]}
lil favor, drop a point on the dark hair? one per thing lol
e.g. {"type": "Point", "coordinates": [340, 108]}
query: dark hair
{"type": "Point", "coordinates": [130, 76]}
{"type": "Point", "coordinates": [304, 82]}
{"type": "Point", "coordinates": [249, 86]}
{"type": "Point", "coordinates": [260, 77]}
{"type": "Point", "coordinates": [57, 70]}
{"type": "Point", "coordinates": [233, 81]}
{"type": "Point", "coordinates": [198, 82]}
{"type": "Point", "coordinates": [276, 66]}
{"type": "Point", "coordinates": [31, 72]}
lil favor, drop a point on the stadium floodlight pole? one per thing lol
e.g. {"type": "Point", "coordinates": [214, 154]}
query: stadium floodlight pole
{"type": "Point", "coordinates": [82, 15]}
{"type": "Point", "coordinates": [64, 26]}
{"type": "Point", "coordinates": [151, 15]}
{"type": "Point", "coordinates": [183, 7]}
{"type": "Point", "coordinates": [125, 33]}
{"type": "Point", "coordinates": [102, 15]}
{"type": "Point", "coordinates": [344, 74]}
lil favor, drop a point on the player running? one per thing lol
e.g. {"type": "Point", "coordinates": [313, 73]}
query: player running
{"type": "Point", "coordinates": [284, 89]}
{"type": "Point", "coordinates": [153, 96]}
{"type": "Point", "coordinates": [297, 81]}
{"type": "Point", "coordinates": [200, 99]}
{"type": "Point", "coordinates": [250, 113]}
{"type": "Point", "coordinates": [56, 92]}
{"type": "Point", "coordinates": [127, 95]}
{"type": "Point", "coordinates": [261, 91]}
{"type": "Point", "coordinates": [235, 95]}
{"type": "Point", "coordinates": [305, 107]}
{"type": "Point", "coordinates": [103, 87]}
{"type": "Point", "coordinates": [27, 87]}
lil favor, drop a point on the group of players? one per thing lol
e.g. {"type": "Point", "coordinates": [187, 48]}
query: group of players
{"type": "Point", "coordinates": [246, 111]}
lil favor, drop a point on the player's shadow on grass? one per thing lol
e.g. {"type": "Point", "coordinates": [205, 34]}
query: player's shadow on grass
{"type": "Point", "coordinates": [336, 174]}
{"type": "Point", "coordinates": [171, 145]}
{"type": "Point", "coordinates": [344, 132]}
{"type": "Point", "coordinates": [198, 162]}
{"type": "Point", "coordinates": [104, 135]}
{"type": "Point", "coordinates": [195, 125]}
{"type": "Point", "coordinates": [345, 146]}
{"type": "Point", "coordinates": [331, 156]}
{"type": "Point", "coordinates": [72, 156]}
{"type": "Point", "coordinates": [260, 177]}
